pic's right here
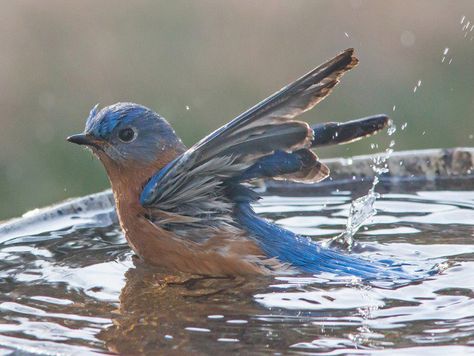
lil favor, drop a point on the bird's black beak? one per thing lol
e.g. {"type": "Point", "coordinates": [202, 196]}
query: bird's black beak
{"type": "Point", "coordinates": [84, 139]}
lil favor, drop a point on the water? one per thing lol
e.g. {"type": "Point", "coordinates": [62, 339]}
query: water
{"type": "Point", "coordinates": [361, 210]}
{"type": "Point", "coordinates": [77, 290]}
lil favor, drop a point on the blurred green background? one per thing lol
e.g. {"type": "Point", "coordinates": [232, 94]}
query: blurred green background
{"type": "Point", "coordinates": [200, 63]}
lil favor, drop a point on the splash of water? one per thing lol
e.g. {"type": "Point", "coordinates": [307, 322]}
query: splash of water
{"type": "Point", "coordinates": [362, 209]}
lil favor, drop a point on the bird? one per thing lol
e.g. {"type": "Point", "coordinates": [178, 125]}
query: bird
{"type": "Point", "coordinates": [191, 209]}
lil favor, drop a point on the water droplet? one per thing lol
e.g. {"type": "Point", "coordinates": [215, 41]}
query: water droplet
{"type": "Point", "coordinates": [198, 330]}
{"type": "Point", "coordinates": [407, 39]}
{"type": "Point", "coordinates": [237, 321]}
{"type": "Point", "coordinates": [392, 129]}
{"type": "Point", "coordinates": [216, 316]}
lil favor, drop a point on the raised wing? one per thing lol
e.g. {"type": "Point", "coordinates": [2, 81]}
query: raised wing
{"type": "Point", "coordinates": [284, 105]}
{"type": "Point", "coordinates": [196, 187]}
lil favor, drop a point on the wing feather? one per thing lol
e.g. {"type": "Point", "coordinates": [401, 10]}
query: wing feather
{"type": "Point", "coordinates": [197, 184]}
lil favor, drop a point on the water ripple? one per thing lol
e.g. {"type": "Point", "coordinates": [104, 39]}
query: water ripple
{"type": "Point", "coordinates": [70, 286]}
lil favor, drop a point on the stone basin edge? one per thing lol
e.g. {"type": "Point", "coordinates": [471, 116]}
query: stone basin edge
{"type": "Point", "coordinates": [427, 164]}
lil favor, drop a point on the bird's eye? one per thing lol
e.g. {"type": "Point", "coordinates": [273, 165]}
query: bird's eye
{"type": "Point", "coordinates": [127, 134]}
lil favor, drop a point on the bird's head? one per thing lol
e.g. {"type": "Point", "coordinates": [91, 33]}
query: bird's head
{"type": "Point", "coordinates": [128, 135]}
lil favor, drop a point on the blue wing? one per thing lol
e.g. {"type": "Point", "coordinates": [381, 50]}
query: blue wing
{"type": "Point", "coordinates": [335, 133]}
{"type": "Point", "coordinates": [200, 188]}
{"type": "Point", "coordinates": [197, 179]}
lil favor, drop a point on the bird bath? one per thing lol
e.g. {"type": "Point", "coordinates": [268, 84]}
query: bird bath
{"type": "Point", "coordinates": [69, 283]}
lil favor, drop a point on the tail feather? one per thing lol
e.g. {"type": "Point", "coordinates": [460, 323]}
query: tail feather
{"type": "Point", "coordinates": [308, 256]}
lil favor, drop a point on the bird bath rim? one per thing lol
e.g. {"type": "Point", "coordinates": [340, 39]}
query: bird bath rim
{"type": "Point", "coordinates": [425, 165]}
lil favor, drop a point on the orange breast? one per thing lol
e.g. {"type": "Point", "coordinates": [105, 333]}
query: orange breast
{"type": "Point", "coordinates": [222, 254]}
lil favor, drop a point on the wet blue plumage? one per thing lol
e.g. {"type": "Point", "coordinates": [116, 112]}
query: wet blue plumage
{"type": "Point", "coordinates": [155, 131]}
{"type": "Point", "coordinates": [148, 194]}
{"type": "Point", "coordinates": [308, 256]}
{"type": "Point", "coordinates": [279, 163]}
{"type": "Point", "coordinates": [102, 123]}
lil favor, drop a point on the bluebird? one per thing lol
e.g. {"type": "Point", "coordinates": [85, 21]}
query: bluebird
{"type": "Point", "coordinates": [191, 209]}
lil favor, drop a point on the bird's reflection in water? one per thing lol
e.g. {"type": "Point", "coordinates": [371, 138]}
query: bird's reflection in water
{"type": "Point", "coordinates": [182, 313]}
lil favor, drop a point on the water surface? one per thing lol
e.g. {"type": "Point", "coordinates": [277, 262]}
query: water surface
{"type": "Point", "coordinates": [78, 289]}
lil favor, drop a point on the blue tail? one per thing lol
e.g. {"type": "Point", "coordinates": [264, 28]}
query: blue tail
{"type": "Point", "coordinates": [308, 256]}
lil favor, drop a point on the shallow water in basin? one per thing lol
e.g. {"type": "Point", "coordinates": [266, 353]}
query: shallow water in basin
{"type": "Point", "coordinates": [78, 290]}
